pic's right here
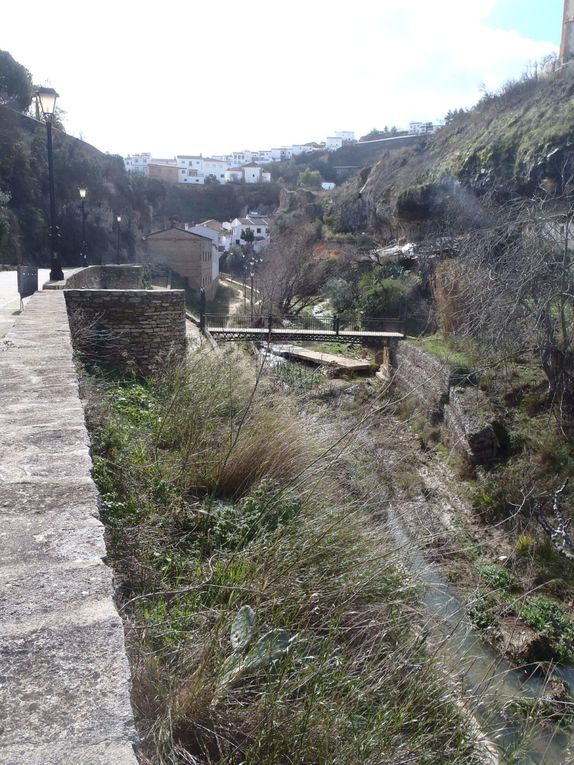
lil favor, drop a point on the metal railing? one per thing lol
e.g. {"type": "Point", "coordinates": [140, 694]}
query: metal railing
{"type": "Point", "coordinates": [317, 324]}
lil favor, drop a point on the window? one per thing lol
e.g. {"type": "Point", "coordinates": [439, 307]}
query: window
{"type": "Point", "coordinates": [258, 230]}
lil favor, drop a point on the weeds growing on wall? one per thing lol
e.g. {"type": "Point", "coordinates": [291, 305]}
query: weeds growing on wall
{"type": "Point", "coordinates": [267, 620]}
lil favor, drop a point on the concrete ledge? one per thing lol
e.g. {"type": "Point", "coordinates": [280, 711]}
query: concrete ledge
{"type": "Point", "coordinates": [64, 675]}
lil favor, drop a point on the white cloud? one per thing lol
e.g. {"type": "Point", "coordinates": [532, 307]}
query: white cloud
{"type": "Point", "coordinates": [219, 76]}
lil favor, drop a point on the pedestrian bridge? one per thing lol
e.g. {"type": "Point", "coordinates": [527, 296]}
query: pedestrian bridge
{"type": "Point", "coordinates": [281, 329]}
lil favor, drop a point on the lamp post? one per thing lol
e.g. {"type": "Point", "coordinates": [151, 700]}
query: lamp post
{"type": "Point", "coordinates": [84, 250]}
{"type": "Point", "coordinates": [47, 98]}
{"type": "Point", "coordinates": [118, 221]}
{"type": "Point", "coordinates": [252, 275]}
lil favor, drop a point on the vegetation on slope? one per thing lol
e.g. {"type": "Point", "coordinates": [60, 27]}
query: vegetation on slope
{"type": "Point", "coordinates": [268, 622]}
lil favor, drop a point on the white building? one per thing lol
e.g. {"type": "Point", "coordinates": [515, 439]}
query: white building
{"type": "Point", "coordinates": [333, 143]}
{"type": "Point", "coordinates": [250, 173]}
{"type": "Point", "coordinates": [257, 223]}
{"type": "Point", "coordinates": [422, 128]}
{"type": "Point", "coordinates": [137, 163]}
{"type": "Point", "coordinates": [211, 229]}
{"type": "Point", "coordinates": [345, 135]}
{"type": "Point", "coordinates": [327, 185]}
{"type": "Point", "coordinates": [193, 169]}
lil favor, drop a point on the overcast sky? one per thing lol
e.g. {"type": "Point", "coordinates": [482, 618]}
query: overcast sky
{"type": "Point", "coordinates": [213, 76]}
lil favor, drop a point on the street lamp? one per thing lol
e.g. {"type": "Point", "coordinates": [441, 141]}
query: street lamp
{"type": "Point", "coordinates": [118, 221]}
{"type": "Point", "coordinates": [84, 250]}
{"type": "Point", "coordinates": [47, 98]}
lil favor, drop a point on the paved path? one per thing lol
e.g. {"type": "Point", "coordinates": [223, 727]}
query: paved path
{"type": "Point", "coordinates": [10, 299]}
{"type": "Point", "coordinates": [64, 675]}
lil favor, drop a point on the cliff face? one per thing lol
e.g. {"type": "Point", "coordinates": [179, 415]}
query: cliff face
{"type": "Point", "coordinates": [518, 142]}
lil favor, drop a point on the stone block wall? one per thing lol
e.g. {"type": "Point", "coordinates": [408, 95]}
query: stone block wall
{"type": "Point", "coordinates": [106, 278]}
{"type": "Point", "coordinates": [424, 377]}
{"type": "Point", "coordinates": [469, 419]}
{"type": "Point", "coordinates": [131, 330]}
{"type": "Point", "coordinates": [436, 388]}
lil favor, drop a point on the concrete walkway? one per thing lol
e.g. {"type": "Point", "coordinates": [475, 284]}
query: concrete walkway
{"type": "Point", "coordinates": [10, 299]}
{"type": "Point", "coordinates": [64, 675]}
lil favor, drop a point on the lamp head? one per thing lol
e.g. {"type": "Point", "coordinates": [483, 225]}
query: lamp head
{"type": "Point", "coordinates": [47, 98]}
{"type": "Point", "coordinates": [83, 193]}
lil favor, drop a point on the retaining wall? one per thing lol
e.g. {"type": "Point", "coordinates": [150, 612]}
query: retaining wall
{"type": "Point", "coordinates": [132, 330]}
{"type": "Point", "coordinates": [436, 387]}
{"type": "Point", "coordinates": [425, 378]}
{"type": "Point", "coordinates": [65, 680]}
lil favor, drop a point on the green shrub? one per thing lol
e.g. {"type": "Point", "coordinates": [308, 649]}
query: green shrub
{"type": "Point", "coordinates": [482, 611]}
{"type": "Point", "coordinates": [498, 577]}
{"type": "Point", "coordinates": [547, 617]}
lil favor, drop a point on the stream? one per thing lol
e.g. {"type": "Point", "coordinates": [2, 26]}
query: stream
{"type": "Point", "coordinates": [485, 679]}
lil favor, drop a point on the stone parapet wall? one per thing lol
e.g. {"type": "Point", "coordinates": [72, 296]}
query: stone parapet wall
{"type": "Point", "coordinates": [65, 690]}
{"type": "Point", "coordinates": [131, 330]}
{"type": "Point", "coordinates": [121, 277]}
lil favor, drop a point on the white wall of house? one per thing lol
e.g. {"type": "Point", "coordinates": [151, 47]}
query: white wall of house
{"type": "Point", "coordinates": [252, 174]}
{"type": "Point", "coordinates": [235, 175]}
{"type": "Point", "coordinates": [345, 135]}
{"type": "Point", "coordinates": [333, 143]}
{"type": "Point", "coordinates": [137, 163]}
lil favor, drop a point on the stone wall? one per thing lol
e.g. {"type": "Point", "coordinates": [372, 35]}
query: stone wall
{"type": "Point", "coordinates": [436, 387]}
{"type": "Point", "coordinates": [424, 377]}
{"type": "Point", "coordinates": [469, 419]}
{"type": "Point", "coordinates": [106, 278]}
{"type": "Point", "coordinates": [65, 690]}
{"type": "Point", "coordinates": [131, 330]}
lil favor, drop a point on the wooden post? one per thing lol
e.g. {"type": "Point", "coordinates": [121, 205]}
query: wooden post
{"type": "Point", "coordinates": [270, 326]}
{"type": "Point", "coordinates": [202, 302]}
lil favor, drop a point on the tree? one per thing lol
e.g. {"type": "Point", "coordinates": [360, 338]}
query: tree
{"type": "Point", "coordinates": [248, 235]}
{"type": "Point", "coordinates": [291, 278]}
{"type": "Point", "coordinates": [310, 178]}
{"type": "Point", "coordinates": [515, 281]}
{"type": "Point", "coordinates": [15, 83]}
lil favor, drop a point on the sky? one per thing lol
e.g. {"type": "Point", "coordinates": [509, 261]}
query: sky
{"type": "Point", "coordinates": [215, 76]}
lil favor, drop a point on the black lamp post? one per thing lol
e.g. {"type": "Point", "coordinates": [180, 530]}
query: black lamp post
{"type": "Point", "coordinates": [47, 98]}
{"type": "Point", "coordinates": [251, 275]}
{"type": "Point", "coordinates": [118, 221]}
{"type": "Point", "coordinates": [84, 250]}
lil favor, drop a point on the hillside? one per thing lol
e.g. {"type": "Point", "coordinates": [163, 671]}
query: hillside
{"type": "Point", "coordinates": [144, 204]}
{"type": "Point", "coordinates": [516, 142]}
